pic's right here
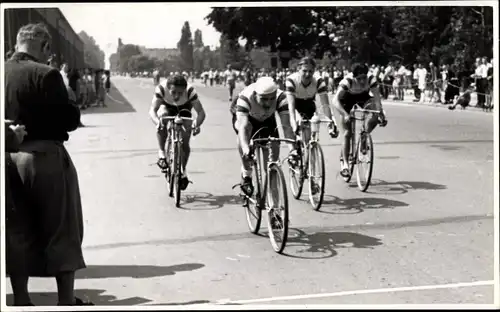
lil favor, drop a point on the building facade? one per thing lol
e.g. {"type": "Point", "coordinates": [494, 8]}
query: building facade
{"type": "Point", "coordinates": [66, 45]}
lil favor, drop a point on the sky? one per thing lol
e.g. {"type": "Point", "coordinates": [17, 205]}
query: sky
{"type": "Point", "coordinates": [154, 25]}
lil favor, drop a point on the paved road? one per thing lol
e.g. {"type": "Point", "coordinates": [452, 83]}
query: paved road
{"type": "Point", "coordinates": [422, 234]}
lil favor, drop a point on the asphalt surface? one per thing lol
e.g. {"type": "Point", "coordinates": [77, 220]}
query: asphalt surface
{"type": "Point", "coordinates": [422, 234]}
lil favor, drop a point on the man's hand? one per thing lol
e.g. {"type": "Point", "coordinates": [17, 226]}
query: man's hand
{"type": "Point", "coordinates": [196, 129]}
{"type": "Point", "coordinates": [246, 151]}
{"type": "Point", "coordinates": [20, 132]}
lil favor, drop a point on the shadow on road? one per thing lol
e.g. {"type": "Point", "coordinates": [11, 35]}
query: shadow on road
{"type": "Point", "coordinates": [115, 101]}
{"type": "Point", "coordinates": [321, 245]}
{"type": "Point", "coordinates": [193, 302]}
{"type": "Point", "coordinates": [134, 271]}
{"type": "Point", "coordinates": [93, 295]}
{"type": "Point", "coordinates": [207, 201]}
{"type": "Point", "coordinates": [336, 205]}
{"type": "Point", "coordinates": [402, 187]}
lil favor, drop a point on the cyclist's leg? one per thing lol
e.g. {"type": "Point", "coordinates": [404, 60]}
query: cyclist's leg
{"type": "Point", "coordinates": [246, 165]}
{"type": "Point", "coordinates": [347, 101]}
{"type": "Point", "coordinates": [186, 149]}
{"type": "Point", "coordinates": [306, 109]}
{"type": "Point", "coordinates": [272, 130]}
{"type": "Point", "coordinates": [161, 135]}
{"type": "Point", "coordinates": [373, 121]}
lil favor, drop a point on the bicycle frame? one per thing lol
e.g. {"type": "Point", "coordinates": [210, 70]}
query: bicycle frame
{"type": "Point", "coordinates": [358, 110]}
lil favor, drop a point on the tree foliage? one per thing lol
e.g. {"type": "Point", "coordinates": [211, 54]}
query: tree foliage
{"type": "Point", "coordinates": [367, 34]}
{"type": "Point", "coordinates": [185, 46]}
{"type": "Point", "coordinates": [125, 53]}
{"type": "Point", "coordinates": [93, 55]}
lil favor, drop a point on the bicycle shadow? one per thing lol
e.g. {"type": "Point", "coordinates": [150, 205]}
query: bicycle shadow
{"type": "Point", "coordinates": [335, 205]}
{"type": "Point", "coordinates": [207, 201]}
{"type": "Point", "coordinates": [321, 245]}
{"type": "Point", "coordinates": [402, 187]}
{"type": "Point", "coordinates": [96, 296]}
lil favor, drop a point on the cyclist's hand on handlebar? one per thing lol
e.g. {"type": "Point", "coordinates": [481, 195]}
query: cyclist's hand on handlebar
{"type": "Point", "coordinates": [196, 130]}
{"type": "Point", "coordinates": [333, 130]}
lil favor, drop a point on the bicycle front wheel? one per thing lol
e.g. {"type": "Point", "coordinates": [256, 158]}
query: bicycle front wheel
{"type": "Point", "coordinates": [316, 176]}
{"type": "Point", "coordinates": [178, 174]}
{"type": "Point", "coordinates": [171, 162]}
{"type": "Point", "coordinates": [364, 161]}
{"type": "Point", "coordinates": [297, 175]}
{"type": "Point", "coordinates": [277, 207]}
{"type": "Point", "coordinates": [253, 204]}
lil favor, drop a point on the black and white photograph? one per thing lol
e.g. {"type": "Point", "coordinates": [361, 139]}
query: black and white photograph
{"type": "Point", "coordinates": [249, 155]}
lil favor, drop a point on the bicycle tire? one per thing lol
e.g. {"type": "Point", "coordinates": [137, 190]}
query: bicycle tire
{"type": "Point", "coordinates": [254, 211]}
{"type": "Point", "coordinates": [171, 163]}
{"type": "Point", "coordinates": [297, 182]}
{"type": "Point", "coordinates": [178, 174]}
{"type": "Point", "coordinates": [277, 246]}
{"type": "Point", "coordinates": [369, 142]}
{"type": "Point", "coordinates": [316, 148]}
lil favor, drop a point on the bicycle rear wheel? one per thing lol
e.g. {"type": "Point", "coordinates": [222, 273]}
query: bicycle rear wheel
{"type": "Point", "coordinates": [178, 174]}
{"type": "Point", "coordinates": [277, 207]}
{"type": "Point", "coordinates": [364, 161]}
{"type": "Point", "coordinates": [316, 176]}
{"type": "Point", "coordinates": [297, 174]}
{"type": "Point", "coordinates": [253, 205]}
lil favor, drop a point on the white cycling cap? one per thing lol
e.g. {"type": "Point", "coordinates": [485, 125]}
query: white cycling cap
{"type": "Point", "coordinates": [265, 85]}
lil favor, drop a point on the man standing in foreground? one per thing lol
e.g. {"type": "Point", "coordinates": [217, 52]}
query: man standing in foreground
{"type": "Point", "coordinates": [45, 225]}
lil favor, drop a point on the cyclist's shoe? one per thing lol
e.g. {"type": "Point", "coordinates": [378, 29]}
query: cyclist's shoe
{"type": "Point", "coordinates": [333, 131]}
{"type": "Point", "coordinates": [382, 121]}
{"type": "Point", "coordinates": [183, 183]}
{"type": "Point", "coordinates": [247, 186]}
{"type": "Point", "coordinates": [314, 187]}
{"type": "Point", "coordinates": [293, 158]}
{"type": "Point", "coordinates": [276, 221]}
{"type": "Point", "coordinates": [162, 164]}
{"type": "Point", "coordinates": [344, 172]}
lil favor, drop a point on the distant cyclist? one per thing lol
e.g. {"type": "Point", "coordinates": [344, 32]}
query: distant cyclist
{"type": "Point", "coordinates": [355, 88]}
{"type": "Point", "coordinates": [171, 96]}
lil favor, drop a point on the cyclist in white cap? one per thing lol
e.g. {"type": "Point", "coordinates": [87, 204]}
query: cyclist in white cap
{"type": "Point", "coordinates": [254, 112]}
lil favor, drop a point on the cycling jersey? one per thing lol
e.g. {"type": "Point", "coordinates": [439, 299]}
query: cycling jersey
{"type": "Point", "coordinates": [351, 86]}
{"type": "Point", "coordinates": [305, 95]}
{"type": "Point", "coordinates": [295, 86]}
{"type": "Point", "coordinates": [247, 104]}
{"type": "Point", "coordinates": [184, 102]}
{"type": "Point", "coordinates": [356, 93]}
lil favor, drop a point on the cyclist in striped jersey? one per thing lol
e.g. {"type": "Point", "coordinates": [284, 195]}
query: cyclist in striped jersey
{"type": "Point", "coordinates": [171, 96]}
{"type": "Point", "coordinates": [354, 89]}
{"type": "Point", "coordinates": [301, 90]}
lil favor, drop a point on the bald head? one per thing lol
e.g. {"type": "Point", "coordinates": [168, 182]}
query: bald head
{"type": "Point", "coordinates": [34, 39]}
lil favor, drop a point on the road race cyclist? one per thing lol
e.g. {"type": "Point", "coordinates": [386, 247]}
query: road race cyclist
{"type": "Point", "coordinates": [355, 88]}
{"type": "Point", "coordinates": [230, 76]}
{"type": "Point", "coordinates": [171, 96]}
{"type": "Point", "coordinates": [254, 109]}
{"type": "Point", "coordinates": [301, 89]}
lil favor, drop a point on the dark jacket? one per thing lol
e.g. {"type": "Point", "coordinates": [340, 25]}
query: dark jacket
{"type": "Point", "coordinates": [35, 96]}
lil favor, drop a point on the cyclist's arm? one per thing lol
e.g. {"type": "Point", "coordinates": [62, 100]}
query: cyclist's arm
{"type": "Point", "coordinates": [242, 123]}
{"type": "Point", "coordinates": [290, 98]}
{"type": "Point", "coordinates": [200, 113]}
{"type": "Point", "coordinates": [336, 102]}
{"type": "Point", "coordinates": [284, 115]}
{"type": "Point", "coordinates": [153, 110]}
{"type": "Point", "coordinates": [323, 98]}
{"type": "Point", "coordinates": [374, 89]}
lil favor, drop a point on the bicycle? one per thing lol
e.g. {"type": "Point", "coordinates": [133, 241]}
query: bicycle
{"type": "Point", "coordinates": [262, 198]}
{"type": "Point", "coordinates": [174, 160]}
{"type": "Point", "coordinates": [310, 163]}
{"type": "Point", "coordinates": [358, 149]}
